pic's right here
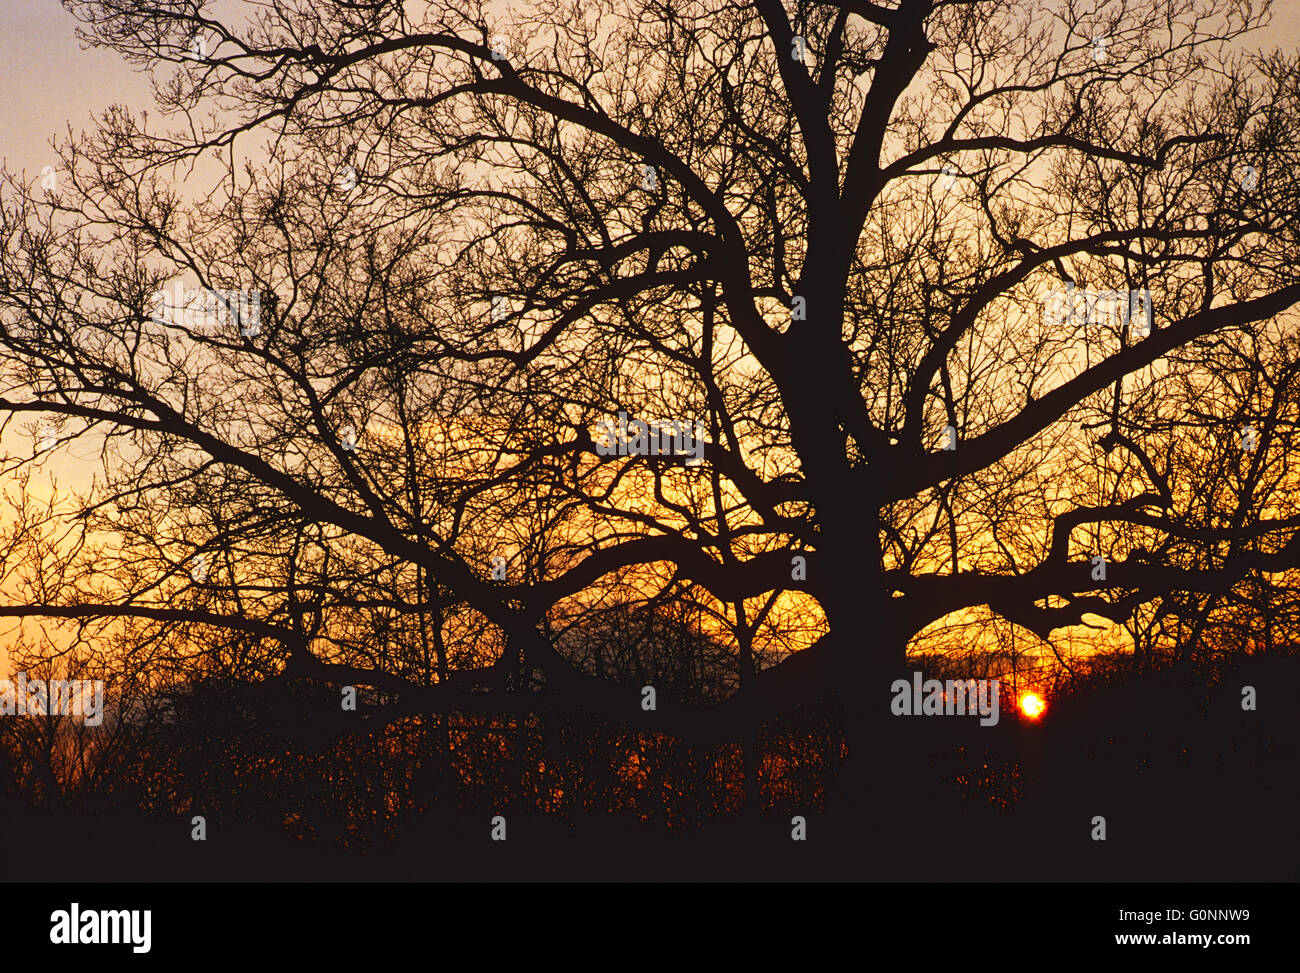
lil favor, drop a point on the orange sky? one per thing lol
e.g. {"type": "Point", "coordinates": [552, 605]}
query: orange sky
{"type": "Point", "coordinates": [49, 81]}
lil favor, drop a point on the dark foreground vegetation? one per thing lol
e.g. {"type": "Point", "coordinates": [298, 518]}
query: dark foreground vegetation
{"type": "Point", "coordinates": [1191, 786]}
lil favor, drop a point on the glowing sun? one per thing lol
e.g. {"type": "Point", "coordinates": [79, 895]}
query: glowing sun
{"type": "Point", "coordinates": [1032, 705]}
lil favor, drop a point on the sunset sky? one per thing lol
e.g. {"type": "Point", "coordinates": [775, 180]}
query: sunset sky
{"type": "Point", "coordinates": [50, 81]}
{"type": "Point", "coordinates": [409, 544]}
{"type": "Point", "coordinates": [53, 83]}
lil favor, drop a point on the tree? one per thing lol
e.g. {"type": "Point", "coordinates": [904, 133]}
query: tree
{"type": "Point", "coordinates": [909, 267]}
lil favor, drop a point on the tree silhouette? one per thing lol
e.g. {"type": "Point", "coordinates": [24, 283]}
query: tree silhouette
{"type": "Point", "coordinates": [434, 250]}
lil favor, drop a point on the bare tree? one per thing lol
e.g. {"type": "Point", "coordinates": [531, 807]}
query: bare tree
{"type": "Point", "coordinates": [836, 235]}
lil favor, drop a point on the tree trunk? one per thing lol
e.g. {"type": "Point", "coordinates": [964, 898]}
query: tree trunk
{"type": "Point", "coordinates": [868, 652]}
